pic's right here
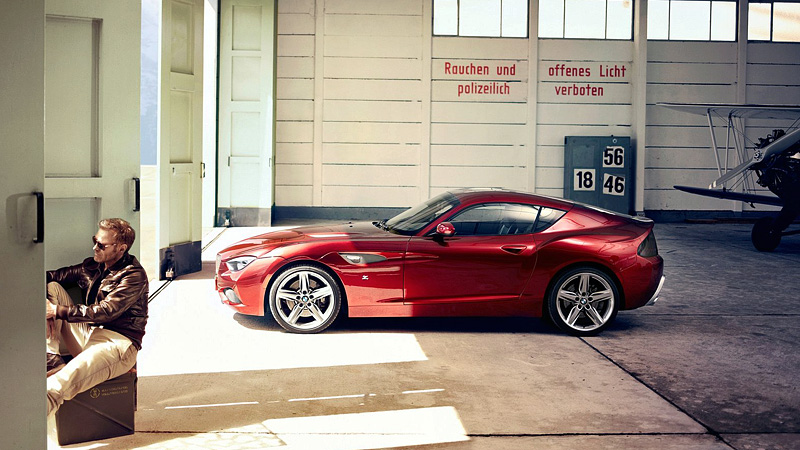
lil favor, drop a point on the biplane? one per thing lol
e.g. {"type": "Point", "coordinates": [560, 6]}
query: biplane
{"type": "Point", "coordinates": [774, 159]}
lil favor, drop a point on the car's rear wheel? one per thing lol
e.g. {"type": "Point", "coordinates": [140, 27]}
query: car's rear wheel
{"type": "Point", "coordinates": [583, 301]}
{"type": "Point", "coordinates": [305, 299]}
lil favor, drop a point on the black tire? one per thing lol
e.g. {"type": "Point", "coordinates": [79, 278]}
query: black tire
{"type": "Point", "coordinates": [764, 235]}
{"type": "Point", "coordinates": [305, 299]}
{"type": "Point", "coordinates": [583, 301]}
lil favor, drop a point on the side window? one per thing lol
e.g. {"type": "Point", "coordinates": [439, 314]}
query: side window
{"type": "Point", "coordinates": [773, 21]}
{"type": "Point", "coordinates": [547, 218]}
{"type": "Point", "coordinates": [586, 19]}
{"type": "Point", "coordinates": [682, 20]}
{"type": "Point", "coordinates": [480, 18]}
{"type": "Point", "coordinates": [496, 219]}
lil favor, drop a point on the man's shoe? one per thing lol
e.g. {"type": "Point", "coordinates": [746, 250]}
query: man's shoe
{"type": "Point", "coordinates": [54, 363]}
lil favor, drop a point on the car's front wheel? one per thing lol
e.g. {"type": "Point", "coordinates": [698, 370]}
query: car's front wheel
{"type": "Point", "coordinates": [305, 299]}
{"type": "Point", "coordinates": [583, 301]}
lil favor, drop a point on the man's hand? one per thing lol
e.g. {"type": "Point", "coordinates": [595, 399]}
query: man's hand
{"type": "Point", "coordinates": [50, 315]}
{"type": "Point", "coordinates": [50, 311]}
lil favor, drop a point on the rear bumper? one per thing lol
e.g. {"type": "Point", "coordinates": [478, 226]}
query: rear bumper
{"type": "Point", "coordinates": [654, 298]}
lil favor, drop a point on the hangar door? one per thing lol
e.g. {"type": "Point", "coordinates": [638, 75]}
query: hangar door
{"type": "Point", "coordinates": [91, 149]}
{"type": "Point", "coordinates": [70, 122]}
{"type": "Point", "coordinates": [246, 112]}
{"type": "Point", "coordinates": [181, 138]}
{"type": "Point", "coordinates": [22, 417]}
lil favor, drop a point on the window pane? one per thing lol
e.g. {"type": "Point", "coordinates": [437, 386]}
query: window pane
{"type": "Point", "coordinates": [723, 21]}
{"type": "Point", "coordinates": [786, 22]}
{"type": "Point", "coordinates": [658, 19]}
{"type": "Point", "coordinates": [548, 217]}
{"type": "Point", "coordinates": [445, 17]}
{"type": "Point", "coordinates": [479, 18]}
{"type": "Point", "coordinates": [758, 21]}
{"type": "Point", "coordinates": [480, 220]}
{"type": "Point", "coordinates": [496, 219]}
{"type": "Point", "coordinates": [518, 219]}
{"type": "Point", "coordinates": [551, 18]}
{"type": "Point", "coordinates": [515, 18]}
{"type": "Point", "coordinates": [620, 19]}
{"type": "Point", "coordinates": [585, 19]}
{"type": "Point", "coordinates": [690, 20]}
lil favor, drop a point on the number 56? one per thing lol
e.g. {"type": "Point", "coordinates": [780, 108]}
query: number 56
{"type": "Point", "coordinates": [614, 157]}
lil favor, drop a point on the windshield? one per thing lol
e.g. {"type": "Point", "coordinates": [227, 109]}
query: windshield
{"type": "Point", "coordinates": [411, 221]}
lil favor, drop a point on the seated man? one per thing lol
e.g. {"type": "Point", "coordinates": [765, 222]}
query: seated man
{"type": "Point", "coordinates": [104, 335]}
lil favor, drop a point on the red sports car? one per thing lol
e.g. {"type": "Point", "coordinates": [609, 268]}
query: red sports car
{"type": "Point", "coordinates": [462, 253]}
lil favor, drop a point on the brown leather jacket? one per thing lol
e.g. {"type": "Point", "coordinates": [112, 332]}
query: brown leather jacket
{"type": "Point", "coordinates": [116, 298]}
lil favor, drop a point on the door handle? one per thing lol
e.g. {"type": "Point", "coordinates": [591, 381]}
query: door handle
{"type": "Point", "coordinates": [137, 198]}
{"type": "Point", "coordinates": [514, 249]}
{"type": "Point", "coordinates": [39, 217]}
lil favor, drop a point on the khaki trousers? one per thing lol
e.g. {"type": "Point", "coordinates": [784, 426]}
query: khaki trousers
{"type": "Point", "coordinates": [101, 354]}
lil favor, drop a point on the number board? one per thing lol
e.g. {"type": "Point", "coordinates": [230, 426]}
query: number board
{"type": "Point", "coordinates": [599, 170]}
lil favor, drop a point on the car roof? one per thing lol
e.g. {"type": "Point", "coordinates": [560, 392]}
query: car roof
{"type": "Point", "coordinates": [472, 196]}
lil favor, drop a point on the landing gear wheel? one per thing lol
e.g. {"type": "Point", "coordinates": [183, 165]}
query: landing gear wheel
{"type": "Point", "coordinates": [765, 237]}
{"type": "Point", "coordinates": [583, 302]}
{"type": "Point", "coordinates": [305, 299]}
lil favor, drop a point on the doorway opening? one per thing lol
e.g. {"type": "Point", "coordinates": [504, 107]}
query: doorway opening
{"type": "Point", "coordinates": [150, 108]}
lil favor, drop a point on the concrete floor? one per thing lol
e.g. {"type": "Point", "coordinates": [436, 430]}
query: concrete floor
{"type": "Point", "coordinates": [712, 366]}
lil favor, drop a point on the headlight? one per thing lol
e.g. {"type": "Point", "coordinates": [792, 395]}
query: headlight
{"type": "Point", "coordinates": [237, 264]}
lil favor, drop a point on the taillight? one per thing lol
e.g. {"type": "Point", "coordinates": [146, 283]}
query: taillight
{"type": "Point", "coordinates": [648, 248]}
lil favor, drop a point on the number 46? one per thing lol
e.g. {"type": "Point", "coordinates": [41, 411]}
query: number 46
{"type": "Point", "coordinates": [614, 185]}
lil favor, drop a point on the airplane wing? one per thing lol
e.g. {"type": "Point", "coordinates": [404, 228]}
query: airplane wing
{"type": "Point", "coordinates": [751, 111]}
{"type": "Point", "coordinates": [730, 195]}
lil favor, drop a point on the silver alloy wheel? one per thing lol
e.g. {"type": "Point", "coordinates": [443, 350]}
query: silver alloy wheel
{"type": "Point", "coordinates": [585, 301]}
{"type": "Point", "coordinates": [305, 299]}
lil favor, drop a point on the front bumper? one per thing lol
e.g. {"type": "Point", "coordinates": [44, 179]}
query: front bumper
{"type": "Point", "coordinates": [244, 290]}
{"type": "Point", "coordinates": [228, 297]}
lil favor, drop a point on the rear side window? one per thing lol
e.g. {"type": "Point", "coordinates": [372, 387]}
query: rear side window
{"type": "Point", "coordinates": [496, 219]}
{"type": "Point", "coordinates": [547, 218]}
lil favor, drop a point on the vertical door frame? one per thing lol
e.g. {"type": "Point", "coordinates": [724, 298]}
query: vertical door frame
{"type": "Point", "coordinates": [252, 207]}
{"type": "Point", "coordinates": [22, 44]}
{"type": "Point", "coordinates": [179, 248]}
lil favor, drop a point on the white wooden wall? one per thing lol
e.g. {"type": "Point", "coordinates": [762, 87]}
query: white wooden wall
{"type": "Point", "coordinates": [706, 72]}
{"type": "Point", "coordinates": [479, 140]}
{"type": "Point", "coordinates": [372, 111]}
{"type": "Point", "coordinates": [677, 150]}
{"type": "Point", "coordinates": [294, 147]}
{"type": "Point", "coordinates": [773, 76]}
{"type": "Point", "coordinates": [359, 143]}
{"type": "Point", "coordinates": [561, 115]}
{"type": "Point", "coordinates": [368, 116]}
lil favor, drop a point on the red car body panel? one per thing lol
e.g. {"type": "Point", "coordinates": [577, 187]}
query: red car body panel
{"type": "Point", "coordinates": [430, 275]}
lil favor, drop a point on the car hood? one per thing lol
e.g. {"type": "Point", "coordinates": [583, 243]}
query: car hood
{"type": "Point", "coordinates": [263, 243]}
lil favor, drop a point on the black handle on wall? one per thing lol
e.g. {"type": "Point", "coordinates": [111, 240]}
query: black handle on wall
{"type": "Point", "coordinates": [138, 200]}
{"type": "Point", "coordinates": [39, 218]}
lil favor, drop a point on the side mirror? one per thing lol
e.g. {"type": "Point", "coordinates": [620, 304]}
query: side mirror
{"type": "Point", "coordinates": [445, 229]}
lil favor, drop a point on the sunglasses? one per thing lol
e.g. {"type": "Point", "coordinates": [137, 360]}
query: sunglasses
{"type": "Point", "coordinates": [99, 244]}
